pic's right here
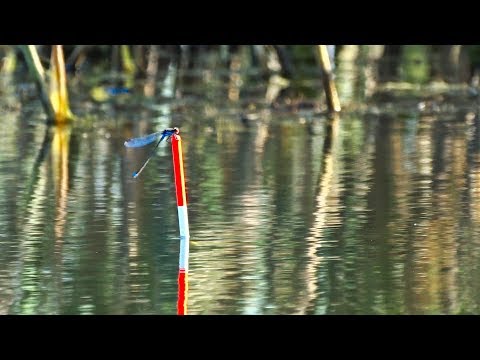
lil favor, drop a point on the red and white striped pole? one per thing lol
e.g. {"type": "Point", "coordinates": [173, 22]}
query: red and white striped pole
{"type": "Point", "coordinates": [183, 223]}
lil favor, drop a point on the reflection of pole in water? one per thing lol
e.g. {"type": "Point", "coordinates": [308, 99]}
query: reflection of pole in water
{"type": "Point", "coordinates": [182, 222]}
{"type": "Point", "coordinates": [30, 276]}
{"type": "Point", "coordinates": [327, 196]}
{"type": "Point", "coordinates": [60, 151]}
{"type": "Point", "coordinates": [418, 298]}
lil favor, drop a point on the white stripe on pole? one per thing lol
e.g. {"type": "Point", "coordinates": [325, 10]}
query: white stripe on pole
{"type": "Point", "coordinates": [183, 221]}
{"type": "Point", "coordinates": [184, 237]}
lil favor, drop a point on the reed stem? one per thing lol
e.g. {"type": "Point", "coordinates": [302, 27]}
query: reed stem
{"type": "Point", "coordinates": [36, 70]}
{"type": "Point", "coordinates": [333, 102]}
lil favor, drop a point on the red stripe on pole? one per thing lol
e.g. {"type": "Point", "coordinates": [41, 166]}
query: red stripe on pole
{"type": "Point", "coordinates": [178, 170]}
{"type": "Point", "coordinates": [182, 292]}
{"type": "Point", "coordinates": [183, 222]}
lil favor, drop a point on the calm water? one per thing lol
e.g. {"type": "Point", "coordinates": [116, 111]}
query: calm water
{"type": "Point", "coordinates": [376, 212]}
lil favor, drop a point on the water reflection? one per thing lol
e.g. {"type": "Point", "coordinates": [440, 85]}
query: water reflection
{"type": "Point", "coordinates": [374, 212]}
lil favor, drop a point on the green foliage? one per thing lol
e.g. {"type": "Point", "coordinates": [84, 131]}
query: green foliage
{"type": "Point", "coordinates": [415, 66]}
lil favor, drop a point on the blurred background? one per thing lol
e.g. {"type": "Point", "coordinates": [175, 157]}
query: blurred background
{"type": "Point", "coordinates": [295, 205]}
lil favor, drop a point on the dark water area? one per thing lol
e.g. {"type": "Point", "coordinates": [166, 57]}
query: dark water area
{"type": "Point", "coordinates": [375, 211]}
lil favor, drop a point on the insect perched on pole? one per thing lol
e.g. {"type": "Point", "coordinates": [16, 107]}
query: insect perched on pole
{"type": "Point", "coordinates": [181, 194]}
{"type": "Point", "coordinates": [148, 139]}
